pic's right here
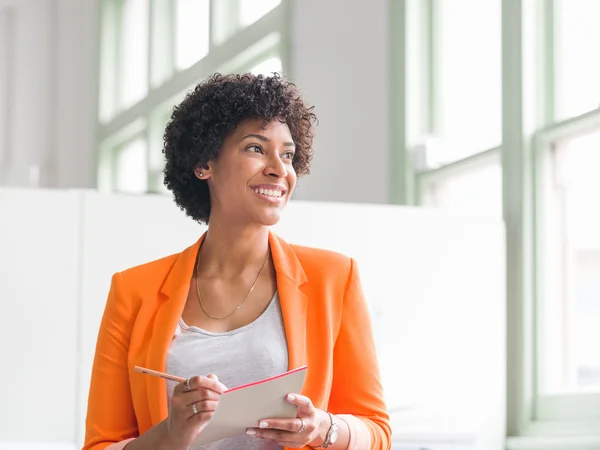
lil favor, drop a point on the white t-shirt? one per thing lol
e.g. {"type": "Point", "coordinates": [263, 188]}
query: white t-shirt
{"type": "Point", "coordinates": [245, 355]}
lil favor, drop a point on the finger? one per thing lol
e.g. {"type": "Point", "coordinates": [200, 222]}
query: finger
{"type": "Point", "coordinates": [286, 438]}
{"type": "Point", "coordinates": [201, 417]}
{"type": "Point", "coordinates": [198, 395]}
{"type": "Point", "coordinates": [201, 409]}
{"type": "Point", "coordinates": [291, 425]}
{"type": "Point", "coordinates": [201, 382]}
{"type": "Point", "coordinates": [305, 405]}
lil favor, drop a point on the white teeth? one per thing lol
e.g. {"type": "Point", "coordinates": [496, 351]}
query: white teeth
{"type": "Point", "coordinates": [268, 192]}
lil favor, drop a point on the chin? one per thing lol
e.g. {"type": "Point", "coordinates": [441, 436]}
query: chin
{"type": "Point", "coordinates": [269, 218]}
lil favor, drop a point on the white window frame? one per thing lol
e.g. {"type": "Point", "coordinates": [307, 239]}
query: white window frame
{"type": "Point", "coordinates": [414, 106]}
{"type": "Point", "coordinates": [551, 410]}
{"type": "Point", "coordinates": [427, 179]}
{"type": "Point", "coordinates": [230, 50]}
{"type": "Point", "coordinates": [533, 422]}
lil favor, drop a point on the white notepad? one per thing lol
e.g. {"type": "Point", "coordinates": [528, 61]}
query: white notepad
{"type": "Point", "coordinates": [244, 406]}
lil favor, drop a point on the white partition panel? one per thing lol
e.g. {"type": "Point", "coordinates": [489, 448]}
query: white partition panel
{"type": "Point", "coordinates": [39, 251]}
{"type": "Point", "coordinates": [434, 282]}
{"type": "Point", "coordinates": [122, 231]}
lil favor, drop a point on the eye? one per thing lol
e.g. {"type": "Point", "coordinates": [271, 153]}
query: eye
{"type": "Point", "coordinates": [255, 149]}
{"type": "Point", "coordinates": [289, 155]}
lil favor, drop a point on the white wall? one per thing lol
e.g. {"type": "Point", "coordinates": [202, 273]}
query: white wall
{"type": "Point", "coordinates": [47, 91]}
{"type": "Point", "coordinates": [339, 60]}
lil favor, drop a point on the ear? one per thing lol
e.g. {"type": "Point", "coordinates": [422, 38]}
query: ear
{"type": "Point", "coordinates": [203, 173]}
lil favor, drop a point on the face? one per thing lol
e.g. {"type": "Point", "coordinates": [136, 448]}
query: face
{"type": "Point", "coordinates": [252, 179]}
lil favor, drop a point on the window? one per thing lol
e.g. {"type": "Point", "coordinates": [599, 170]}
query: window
{"type": "Point", "coordinates": [466, 75]}
{"type": "Point", "coordinates": [456, 158]}
{"type": "Point", "coordinates": [570, 304]}
{"type": "Point", "coordinates": [577, 72]}
{"type": "Point", "coordinates": [154, 51]}
{"type": "Point", "coordinates": [192, 32]}
{"type": "Point", "coordinates": [130, 167]}
{"type": "Point", "coordinates": [133, 62]}
{"type": "Point", "coordinates": [464, 67]}
{"type": "Point", "coordinates": [252, 10]}
{"type": "Point", "coordinates": [472, 187]}
{"type": "Point", "coordinates": [267, 66]}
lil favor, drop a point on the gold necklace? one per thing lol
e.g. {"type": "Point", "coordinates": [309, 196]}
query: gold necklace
{"type": "Point", "coordinates": [240, 305]}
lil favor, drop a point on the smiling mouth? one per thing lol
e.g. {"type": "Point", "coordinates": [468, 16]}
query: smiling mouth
{"type": "Point", "coordinates": [273, 193]}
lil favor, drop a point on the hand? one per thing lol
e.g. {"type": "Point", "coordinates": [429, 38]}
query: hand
{"type": "Point", "coordinates": [184, 423]}
{"type": "Point", "coordinates": [305, 429]}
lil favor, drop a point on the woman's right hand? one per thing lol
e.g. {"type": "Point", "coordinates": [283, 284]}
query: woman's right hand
{"type": "Point", "coordinates": [184, 424]}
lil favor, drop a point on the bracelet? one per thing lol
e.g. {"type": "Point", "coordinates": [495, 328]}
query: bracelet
{"type": "Point", "coordinates": [332, 433]}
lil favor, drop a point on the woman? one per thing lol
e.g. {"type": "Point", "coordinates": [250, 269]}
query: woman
{"type": "Point", "coordinates": [241, 304]}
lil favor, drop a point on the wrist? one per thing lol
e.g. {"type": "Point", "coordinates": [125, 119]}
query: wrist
{"type": "Point", "coordinates": [165, 442]}
{"type": "Point", "coordinates": [323, 425]}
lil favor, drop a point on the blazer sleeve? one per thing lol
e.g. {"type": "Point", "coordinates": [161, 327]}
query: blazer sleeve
{"type": "Point", "coordinates": [110, 420]}
{"type": "Point", "coordinates": [357, 392]}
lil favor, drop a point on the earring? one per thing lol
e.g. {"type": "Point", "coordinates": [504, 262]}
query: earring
{"type": "Point", "coordinates": [198, 173]}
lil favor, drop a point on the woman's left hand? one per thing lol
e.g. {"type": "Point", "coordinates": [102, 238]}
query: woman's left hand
{"type": "Point", "coordinates": [304, 430]}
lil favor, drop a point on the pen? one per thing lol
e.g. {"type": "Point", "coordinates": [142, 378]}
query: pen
{"type": "Point", "coordinates": [156, 373]}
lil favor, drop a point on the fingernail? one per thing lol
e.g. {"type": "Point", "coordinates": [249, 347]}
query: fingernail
{"type": "Point", "coordinates": [290, 397]}
{"type": "Point", "coordinates": [250, 432]}
{"type": "Point", "coordinates": [263, 425]}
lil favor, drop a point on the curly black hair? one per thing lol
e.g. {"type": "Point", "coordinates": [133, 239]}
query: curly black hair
{"type": "Point", "coordinates": [200, 123]}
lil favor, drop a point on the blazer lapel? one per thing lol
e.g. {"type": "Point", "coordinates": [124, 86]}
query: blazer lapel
{"type": "Point", "coordinates": [290, 278]}
{"type": "Point", "coordinates": [175, 288]}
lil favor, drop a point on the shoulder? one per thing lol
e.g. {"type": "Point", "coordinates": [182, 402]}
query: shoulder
{"type": "Point", "coordinates": [321, 256]}
{"type": "Point", "coordinates": [150, 269]}
{"type": "Point", "coordinates": [144, 281]}
{"type": "Point", "coordinates": [324, 263]}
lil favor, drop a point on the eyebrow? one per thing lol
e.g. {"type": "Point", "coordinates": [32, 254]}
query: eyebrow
{"type": "Point", "coordinates": [262, 138]}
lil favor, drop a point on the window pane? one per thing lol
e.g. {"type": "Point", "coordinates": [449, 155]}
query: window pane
{"type": "Point", "coordinates": [192, 32]}
{"type": "Point", "coordinates": [131, 168]}
{"type": "Point", "coordinates": [134, 52]}
{"type": "Point", "coordinates": [467, 74]}
{"type": "Point", "coordinates": [252, 10]}
{"type": "Point", "coordinates": [267, 67]}
{"type": "Point", "coordinates": [475, 190]}
{"type": "Point", "coordinates": [577, 70]}
{"type": "Point", "coordinates": [570, 326]}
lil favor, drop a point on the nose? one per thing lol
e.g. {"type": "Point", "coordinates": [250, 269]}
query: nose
{"type": "Point", "coordinates": [275, 167]}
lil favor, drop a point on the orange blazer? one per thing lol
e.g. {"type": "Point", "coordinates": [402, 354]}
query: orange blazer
{"type": "Point", "coordinates": [326, 321]}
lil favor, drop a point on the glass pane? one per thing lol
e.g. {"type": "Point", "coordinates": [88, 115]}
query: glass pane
{"type": "Point", "coordinates": [577, 70]}
{"type": "Point", "coordinates": [252, 10]}
{"type": "Point", "coordinates": [191, 32]}
{"type": "Point", "coordinates": [475, 190]}
{"type": "Point", "coordinates": [570, 332]}
{"type": "Point", "coordinates": [467, 74]}
{"type": "Point", "coordinates": [131, 168]}
{"type": "Point", "coordinates": [134, 52]}
{"type": "Point", "coordinates": [267, 67]}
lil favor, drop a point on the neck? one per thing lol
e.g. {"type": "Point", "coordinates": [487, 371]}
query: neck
{"type": "Point", "coordinates": [229, 250]}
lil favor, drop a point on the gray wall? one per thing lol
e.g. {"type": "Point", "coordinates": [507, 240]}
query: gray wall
{"type": "Point", "coordinates": [48, 77]}
{"type": "Point", "coordinates": [340, 61]}
{"type": "Point", "coordinates": [47, 60]}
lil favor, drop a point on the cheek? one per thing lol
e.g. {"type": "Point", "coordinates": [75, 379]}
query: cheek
{"type": "Point", "coordinates": [292, 177]}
